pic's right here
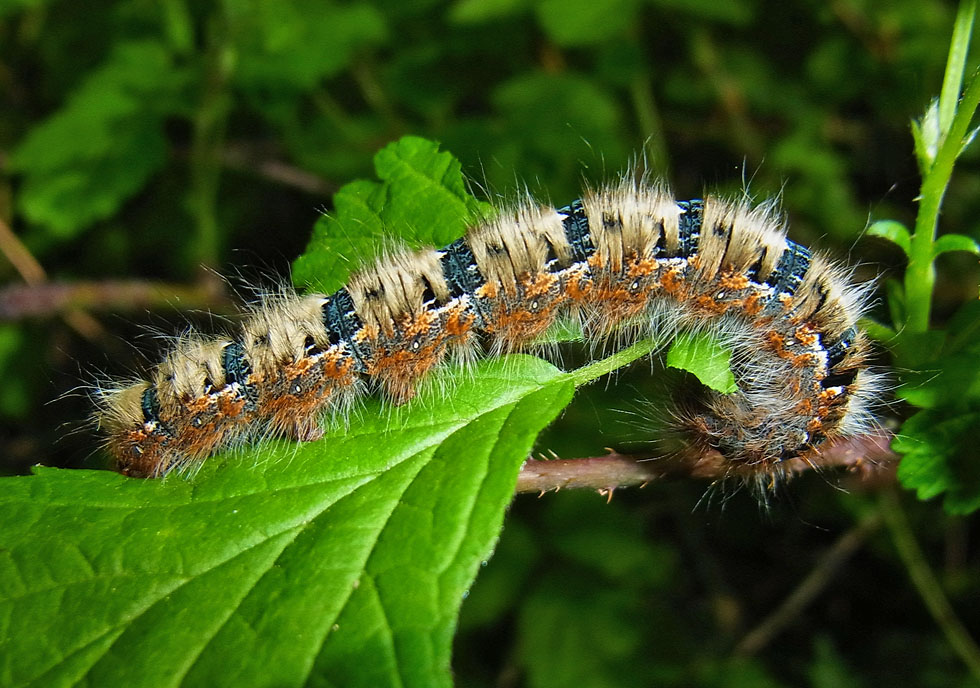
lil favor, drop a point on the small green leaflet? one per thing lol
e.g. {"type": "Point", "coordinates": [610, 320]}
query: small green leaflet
{"type": "Point", "coordinates": [421, 200]}
{"type": "Point", "coordinates": [938, 451]}
{"type": "Point", "coordinates": [938, 443]}
{"type": "Point", "coordinates": [704, 357]}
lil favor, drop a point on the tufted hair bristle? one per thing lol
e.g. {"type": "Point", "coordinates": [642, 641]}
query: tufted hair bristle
{"type": "Point", "coordinates": [626, 261]}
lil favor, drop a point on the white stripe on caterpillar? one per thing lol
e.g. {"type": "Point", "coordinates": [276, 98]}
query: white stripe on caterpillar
{"type": "Point", "coordinates": [624, 254]}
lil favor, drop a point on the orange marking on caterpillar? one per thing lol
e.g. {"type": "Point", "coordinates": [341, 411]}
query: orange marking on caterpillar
{"type": "Point", "coordinates": [605, 275]}
{"type": "Point", "coordinates": [733, 281]}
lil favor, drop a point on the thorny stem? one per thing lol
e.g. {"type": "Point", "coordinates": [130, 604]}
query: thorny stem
{"type": "Point", "coordinates": [606, 473]}
{"type": "Point", "coordinates": [595, 473]}
{"type": "Point", "coordinates": [926, 583]}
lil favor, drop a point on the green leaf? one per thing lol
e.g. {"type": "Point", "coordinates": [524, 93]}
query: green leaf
{"type": "Point", "coordinates": [583, 22]}
{"type": "Point", "coordinates": [894, 232]}
{"type": "Point", "coordinates": [919, 351]}
{"type": "Point", "coordinates": [608, 542]}
{"type": "Point", "coordinates": [877, 331]}
{"type": "Point", "coordinates": [954, 242]}
{"type": "Point", "coordinates": [896, 301]}
{"type": "Point", "coordinates": [343, 560]}
{"type": "Point", "coordinates": [295, 44]}
{"type": "Point", "coordinates": [15, 393]}
{"type": "Point", "coordinates": [828, 669]}
{"type": "Point", "coordinates": [922, 158]}
{"type": "Point", "coordinates": [574, 633]}
{"type": "Point", "coordinates": [480, 11]}
{"type": "Point", "coordinates": [84, 161]}
{"type": "Point", "coordinates": [421, 200]}
{"type": "Point", "coordinates": [544, 110]}
{"type": "Point", "coordinates": [938, 451]}
{"type": "Point", "coordinates": [178, 26]}
{"type": "Point", "coordinates": [950, 381]}
{"type": "Point", "coordinates": [964, 328]}
{"type": "Point", "coordinates": [938, 443]}
{"type": "Point", "coordinates": [705, 358]}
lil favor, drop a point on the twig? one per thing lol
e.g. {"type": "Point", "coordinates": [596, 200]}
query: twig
{"type": "Point", "coordinates": [14, 250]}
{"type": "Point", "coordinates": [49, 299]}
{"type": "Point", "coordinates": [811, 586]}
{"type": "Point", "coordinates": [595, 473]}
{"type": "Point", "coordinates": [865, 454]}
{"type": "Point", "coordinates": [926, 583]}
{"type": "Point", "coordinates": [32, 272]}
{"type": "Point", "coordinates": [245, 159]}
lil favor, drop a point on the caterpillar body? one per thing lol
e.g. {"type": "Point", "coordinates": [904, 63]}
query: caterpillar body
{"type": "Point", "coordinates": [625, 258]}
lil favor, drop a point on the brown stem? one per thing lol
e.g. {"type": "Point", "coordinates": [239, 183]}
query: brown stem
{"type": "Point", "coordinates": [595, 473]}
{"type": "Point", "coordinates": [865, 455]}
{"type": "Point", "coordinates": [32, 272]}
{"type": "Point", "coordinates": [48, 299]}
{"type": "Point", "coordinates": [243, 158]}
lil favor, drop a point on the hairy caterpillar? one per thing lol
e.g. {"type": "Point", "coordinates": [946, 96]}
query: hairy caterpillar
{"type": "Point", "coordinates": [627, 258]}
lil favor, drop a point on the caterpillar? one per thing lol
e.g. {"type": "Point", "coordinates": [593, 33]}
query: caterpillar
{"type": "Point", "coordinates": [625, 258]}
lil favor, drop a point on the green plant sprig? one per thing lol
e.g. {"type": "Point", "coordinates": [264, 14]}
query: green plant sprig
{"type": "Point", "coordinates": [940, 137]}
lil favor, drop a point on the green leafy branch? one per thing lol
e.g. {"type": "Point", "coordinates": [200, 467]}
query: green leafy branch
{"type": "Point", "coordinates": [938, 366]}
{"type": "Point", "coordinates": [940, 138]}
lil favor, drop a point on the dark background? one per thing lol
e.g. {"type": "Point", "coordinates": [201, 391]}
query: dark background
{"type": "Point", "coordinates": [148, 146]}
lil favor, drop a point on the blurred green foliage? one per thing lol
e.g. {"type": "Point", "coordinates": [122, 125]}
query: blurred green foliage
{"type": "Point", "coordinates": [144, 140]}
{"type": "Point", "coordinates": [938, 442]}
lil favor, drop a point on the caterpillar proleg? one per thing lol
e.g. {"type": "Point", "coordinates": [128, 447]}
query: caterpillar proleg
{"type": "Point", "coordinates": [624, 258]}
